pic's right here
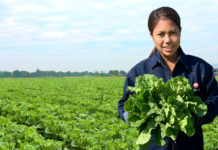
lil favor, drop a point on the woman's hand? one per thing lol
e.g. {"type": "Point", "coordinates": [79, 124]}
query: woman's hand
{"type": "Point", "coordinates": [125, 115]}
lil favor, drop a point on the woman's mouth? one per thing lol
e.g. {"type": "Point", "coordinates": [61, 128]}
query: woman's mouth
{"type": "Point", "coordinates": [168, 48]}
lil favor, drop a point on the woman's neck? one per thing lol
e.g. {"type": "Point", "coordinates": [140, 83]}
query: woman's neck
{"type": "Point", "coordinates": [171, 61]}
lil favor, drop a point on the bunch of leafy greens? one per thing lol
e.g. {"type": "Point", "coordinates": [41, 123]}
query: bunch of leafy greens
{"type": "Point", "coordinates": [162, 110]}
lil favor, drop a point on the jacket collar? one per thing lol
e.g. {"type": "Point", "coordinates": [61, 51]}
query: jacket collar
{"type": "Point", "coordinates": [157, 60]}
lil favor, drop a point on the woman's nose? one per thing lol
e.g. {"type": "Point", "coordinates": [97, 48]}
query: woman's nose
{"type": "Point", "coordinates": [167, 39]}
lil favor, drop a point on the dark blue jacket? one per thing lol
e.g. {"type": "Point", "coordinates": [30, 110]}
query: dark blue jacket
{"type": "Point", "coordinates": [194, 69]}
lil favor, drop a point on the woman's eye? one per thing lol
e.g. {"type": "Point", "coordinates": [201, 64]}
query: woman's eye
{"type": "Point", "coordinates": [172, 33]}
{"type": "Point", "coordinates": [161, 34]}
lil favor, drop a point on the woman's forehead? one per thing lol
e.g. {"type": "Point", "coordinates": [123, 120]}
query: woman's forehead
{"type": "Point", "coordinates": [165, 24]}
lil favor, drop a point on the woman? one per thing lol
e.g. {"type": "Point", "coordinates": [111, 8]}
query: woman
{"type": "Point", "coordinates": [168, 60]}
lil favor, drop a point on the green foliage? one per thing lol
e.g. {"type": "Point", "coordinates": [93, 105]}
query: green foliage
{"type": "Point", "coordinates": [211, 135]}
{"type": "Point", "coordinates": [161, 110]}
{"type": "Point", "coordinates": [65, 113]}
{"type": "Point", "coordinates": [40, 73]}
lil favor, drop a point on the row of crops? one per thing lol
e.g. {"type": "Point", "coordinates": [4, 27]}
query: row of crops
{"type": "Point", "coordinates": [62, 113]}
{"type": "Point", "coordinates": [68, 113]}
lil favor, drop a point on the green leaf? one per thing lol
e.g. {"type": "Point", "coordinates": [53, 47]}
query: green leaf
{"type": "Point", "coordinates": [133, 117]}
{"type": "Point", "coordinates": [187, 125]}
{"type": "Point", "coordinates": [128, 105]}
{"type": "Point", "coordinates": [145, 135]}
{"type": "Point", "coordinates": [171, 131]}
{"type": "Point", "coordinates": [138, 123]}
{"type": "Point", "coordinates": [143, 138]}
{"type": "Point", "coordinates": [158, 136]}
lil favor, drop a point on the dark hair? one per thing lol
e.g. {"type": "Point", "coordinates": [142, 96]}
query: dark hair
{"type": "Point", "coordinates": [162, 12]}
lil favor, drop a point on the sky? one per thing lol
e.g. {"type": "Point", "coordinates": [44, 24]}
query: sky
{"type": "Point", "coordinates": [96, 35]}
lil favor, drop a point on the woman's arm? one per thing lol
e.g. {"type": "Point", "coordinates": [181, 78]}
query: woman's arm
{"type": "Point", "coordinates": [129, 82]}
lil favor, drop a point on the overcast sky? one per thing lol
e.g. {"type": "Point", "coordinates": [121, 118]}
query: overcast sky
{"type": "Point", "coordinates": [96, 35]}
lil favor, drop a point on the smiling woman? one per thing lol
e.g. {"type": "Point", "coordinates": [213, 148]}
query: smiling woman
{"type": "Point", "coordinates": [166, 37]}
{"type": "Point", "coordinates": [165, 29]}
{"type": "Point", "coordinates": [168, 60]}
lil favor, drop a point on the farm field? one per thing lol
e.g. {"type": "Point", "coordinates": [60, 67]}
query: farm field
{"type": "Point", "coordinates": [69, 113]}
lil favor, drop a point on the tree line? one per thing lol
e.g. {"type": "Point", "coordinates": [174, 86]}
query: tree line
{"type": "Point", "coordinates": [40, 73]}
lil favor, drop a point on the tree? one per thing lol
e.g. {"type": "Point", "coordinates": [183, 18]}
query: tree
{"type": "Point", "coordinates": [113, 73]}
{"type": "Point", "coordinates": [16, 74]}
{"type": "Point", "coordinates": [5, 74]}
{"type": "Point", "coordinates": [96, 73]}
{"type": "Point", "coordinates": [24, 74]}
{"type": "Point", "coordinates": [103, 74]}
{"type": "Point", "coordinates": [122, 73]}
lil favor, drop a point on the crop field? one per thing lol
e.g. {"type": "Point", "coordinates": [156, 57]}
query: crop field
{"type": "Point", "coordinates": [69, 113]}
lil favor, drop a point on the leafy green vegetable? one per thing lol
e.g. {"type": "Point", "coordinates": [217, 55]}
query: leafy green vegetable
{"type": "Point", "coordinates": [42, 114]}
{"type": "Point", "coordinates": [211, 135]}
{"type": "Point", "coordinates": [159, 110]}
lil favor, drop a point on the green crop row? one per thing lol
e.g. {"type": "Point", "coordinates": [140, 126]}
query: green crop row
{"type": "Point", "coordinates": [69, 113]}
{"type": "Point", "coordinates": [15, 136]}
{"type": "Point", "coordinates": [211, 135]}
{"type": "Point", "coordinates": [61, 111]}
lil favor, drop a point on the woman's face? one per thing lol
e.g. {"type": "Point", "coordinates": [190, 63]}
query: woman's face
{"type": "Point", "coordinates": [166, 37]}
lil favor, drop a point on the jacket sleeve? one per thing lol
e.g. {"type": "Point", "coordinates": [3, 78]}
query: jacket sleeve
{"type": "Point", "coordinates": [211, 90]}
{"type": "Point", "coordinates": [129, 82]}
